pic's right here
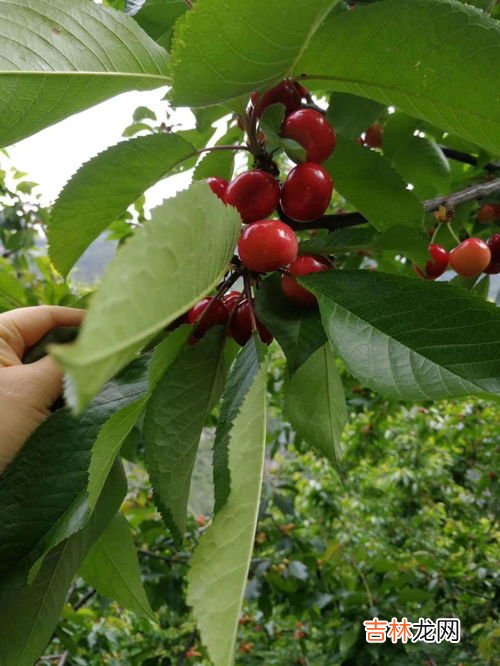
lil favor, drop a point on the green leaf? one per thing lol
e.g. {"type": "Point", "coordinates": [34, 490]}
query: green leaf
{"type": "Point", "coordinates": [188, 244]}
{"type": "Point", "coordinates": [55, 62]}
{"type": "Point", "coordinates": [410, 339]}
{"type": "Point", "coordinates": [351, 115]}
{"type": "Point", "coordinates": [318, 416]}
{"type": "Point", "coordinates": [369, 182]}
{"type": "Point", "coordinates": [420, 56]}
{"type": "Point", "coordinates": [104, 188]}
{"type": "Point", "coordinates": [174, 420]}
{"type": "Point", "coordinates": [108, 444]}
{"type": "Point", "coordinates": [29, 613]}
{"type": "Point", "coordinates": [217, 58]}
{"type": "Point", "coordinates": [220, 564]}
{"type": "Point", "coordinates": [115, 431]}
{"type": "Point", "coordinates": [158, 17]}
{"type": "Point", "coordinates": [422, 163]}
{"type": "Point", "coordinates": [401, 240]}
{"type": "Point", "coordinates": [350, 239]}
{"type": "Point", "coordinates": [245, 369]}
{"type": "Point", "coordinates": [112, 568]}
{"type": "Point", "coordinates": [298, 330]}
{"type": "Point", "coordinates": [43, 493]}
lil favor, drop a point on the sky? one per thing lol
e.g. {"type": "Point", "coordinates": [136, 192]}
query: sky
{"type": "Point", "coordinates": [53, 155]}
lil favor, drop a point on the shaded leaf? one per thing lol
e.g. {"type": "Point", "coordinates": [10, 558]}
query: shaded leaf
{"type": "Point", "coordinates": [369, 182]}
{"type": "Point", "coordinates": [43, 492]}
{"type": "Point", "coordinates": [245, 369]}
{"type": "Point", "coordinates": [350, 115]}
{"type": "Point", "coordinates": [174, 420]}
{"type": "Point", "coordinates": [319, 415]}
{"type": "Point", "coordinates": [298, 330]}
{"type": "Point", "coordinates": [29, 613]}
{"type": "Point", "coordinates": [112, 568]}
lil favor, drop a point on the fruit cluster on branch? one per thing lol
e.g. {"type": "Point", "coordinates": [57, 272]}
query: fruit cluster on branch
{"type": "Point", "coordinates": [268, 244]}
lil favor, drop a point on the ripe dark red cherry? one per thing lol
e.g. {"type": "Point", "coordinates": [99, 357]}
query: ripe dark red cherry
{"type": "Point", "coordinates": [241, 326]}
{"type": "Point", "coordinates": [312, 130]}
{"type": "Point", "coordinates": [303, 265]}
{"type": "Point", "coordinates": [254, 193]}
{"type": "Point", "coordinates": [303, 92]}
{"type": "Point", "coordinates": [307, 192]}
{"type": "Point", "coordinates": [218, 186]}
{"type": "Point", "coordinates": [374, 135]}
{"type": "Point", "coordinates": [231, 300]}
{"type": "Point", "coordinates": [217, 315]}
{"type": "Point", "coordinates": [285, 93]}
{"type": "Point", "coordinates": [267, 245]}
{"type": "Point", "coordinates": [493, 268]}
{"type": "Point", "coordinates": [436, 266]}
{"type": "Point", "coordinates": [470, 258]}
{"type": "Point", "coordinates": [488, 213]}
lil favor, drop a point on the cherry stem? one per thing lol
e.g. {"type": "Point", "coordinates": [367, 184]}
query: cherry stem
{"type": "Point", "coordinates": [215, 148]}
{"type": "Point", "coordinates": [225, 286]}
{"type": "Point", "coordinates": [248, 292]}
{"type": "Point", "coordinates": [189, 3]}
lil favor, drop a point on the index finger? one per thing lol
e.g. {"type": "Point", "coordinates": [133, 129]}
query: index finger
{"type": "Point", "coordinates": [24, 327]}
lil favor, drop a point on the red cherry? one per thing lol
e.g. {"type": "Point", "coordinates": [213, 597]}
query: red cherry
{"type": "Point", "coordinates": [241, 325]}
{"type": "Point", "coordinates": [284, 93]}
{"type": "Point", "coordinates": [470, 257]}
{"type": "Point", "coordinates": [266, 245]}
{"type": "Point", "coordinates": [373, 136]}
{"type": "Point", "coordinates": [231, 300]}
{"type": "Point", "coordinates": [312, 130]}
{"type": "Point", "coordinates": [436, 266]}
{"type": "Point", "coordinates": [218, 186]}
{"type": "Point", "coordinates": [488, 213]}
{"type": "Point", "coordinates": [307, 192]}
{"type": "Point", "coordinates": [303, 265]}
{"type": "Point", "coordinates": [254, 193]}
{"type": "Point", "coordinates": [493, 243]}
{"type": "Point", "coordinates": [217, 315]}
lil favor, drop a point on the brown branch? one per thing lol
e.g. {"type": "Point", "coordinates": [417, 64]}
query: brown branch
{"type": "Point", "coordinates": [344, 220]}
{"type": "Point", "coordinates": [469, 194]}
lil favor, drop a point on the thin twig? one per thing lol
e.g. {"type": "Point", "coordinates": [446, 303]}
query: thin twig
{"type": "Point", "coordinates": [248, 292]}
{"type": "Point", "coordinates": [64, 658]}
{"type": "Point", "coordinates": [210, 149]}
{"type": "Point", "coordinates": [189, 3]}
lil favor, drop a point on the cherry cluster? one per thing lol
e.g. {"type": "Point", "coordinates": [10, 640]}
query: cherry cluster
{"type": "Point", "coordinates": [469, 258]}
{"type": "Point", "coordinates": [271, 210]}
{"type": "Point", "coordinates": [268, 244]}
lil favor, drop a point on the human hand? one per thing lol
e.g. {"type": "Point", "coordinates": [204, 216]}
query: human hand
{"type": "Point", "coordinates": [27, 391]}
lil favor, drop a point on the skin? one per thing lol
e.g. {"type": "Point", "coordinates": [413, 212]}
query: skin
{"type": "Point", "coordinates": [27, 391]}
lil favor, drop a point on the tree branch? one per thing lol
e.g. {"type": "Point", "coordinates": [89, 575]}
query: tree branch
{"type": "Point", "coordinates": [345, 220]}
{"type": "Point", "coordinates": [469, 194]}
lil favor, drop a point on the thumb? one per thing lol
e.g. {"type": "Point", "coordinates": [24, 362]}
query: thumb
{"type": "Point", "coordinates": [45, 381]}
